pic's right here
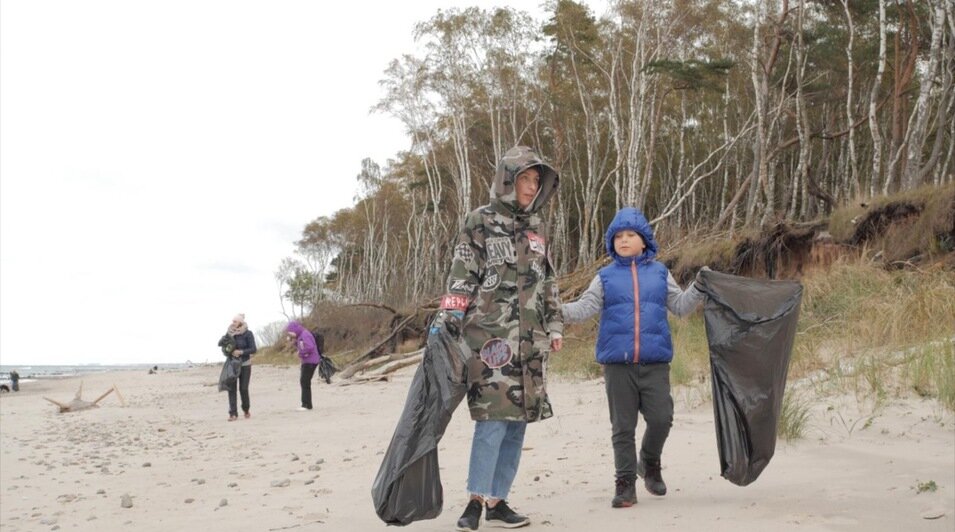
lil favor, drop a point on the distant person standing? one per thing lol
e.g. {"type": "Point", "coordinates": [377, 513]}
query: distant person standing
{"type": "Point", "coordinates": [244, 349]}
{"type": "Point", "coordinates": [14, 380]}
{"type": "Point", "coordinates": [308, 353]}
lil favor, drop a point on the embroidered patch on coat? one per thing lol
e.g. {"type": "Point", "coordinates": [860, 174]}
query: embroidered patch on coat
{"type": "Point", "coordinates": [491, 282]}
{"type": "Point", "coordinates": [537, 243]}
{"type": "Point", "coordinates": [463, 252]}
{"type": "Point", "coordinates": [496, 353]}
{"type": "Point", "coordinates": [500, 250]}
{"type": "Point", "coordinates": [460, 286]}
{"type": "Point", "coordinates": [453, 302]}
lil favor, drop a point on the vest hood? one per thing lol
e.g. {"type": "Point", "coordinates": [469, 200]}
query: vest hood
{"type": "Point", "coordinates": [634, 220]}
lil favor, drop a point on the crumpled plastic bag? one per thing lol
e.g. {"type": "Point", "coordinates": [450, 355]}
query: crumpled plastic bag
{"type": "Point", "coordinates": [408, 485]}
{"type": "Point", "coordinates": [750, 327]}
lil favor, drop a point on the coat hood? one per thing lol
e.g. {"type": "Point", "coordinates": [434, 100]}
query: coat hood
{"type": "Point", "coordinates": [296, 328]}
{"type": "Point", "coordinates": [634, 220]}
{"type": "Point", "coordinates": [515, 161]}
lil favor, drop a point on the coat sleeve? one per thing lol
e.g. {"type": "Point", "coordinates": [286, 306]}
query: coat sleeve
{"type": "Point", "coordinates": [467, 266]}
{"type": "Point", "coordinates": [552, 314]}
{"type": "Point", "coordinates": [250, 348]}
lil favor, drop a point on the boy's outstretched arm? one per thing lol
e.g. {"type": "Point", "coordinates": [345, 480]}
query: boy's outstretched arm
{"type": "Point", "coordinates": [554, 321]}
{"type": "Point", "coordinates": [587, 305]}
{"type": "Point", "coordinates": [682, 302]}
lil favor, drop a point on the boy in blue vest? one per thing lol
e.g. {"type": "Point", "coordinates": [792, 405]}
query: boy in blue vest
{"type": "Point", "coordinates": [634, 347]}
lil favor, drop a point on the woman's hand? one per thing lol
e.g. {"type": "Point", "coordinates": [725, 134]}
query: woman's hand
{"type": "Point", "coordinates": [237, 352]}
{"type": "Point", "coordinates": [556, 344]}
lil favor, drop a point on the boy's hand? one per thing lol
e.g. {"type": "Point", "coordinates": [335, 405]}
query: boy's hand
{"type": "Point", "coordinates": [556, 344]}
{"type": "Point", "coordinates": [447, 319]}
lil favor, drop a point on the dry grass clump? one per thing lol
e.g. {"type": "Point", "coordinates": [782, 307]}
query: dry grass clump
{"type": "Point", "coordinates": [911, 225]}
{"type": "Point", "coordinates": [857, 307]}
{"type": "Point", "coordinates": [794, 416]}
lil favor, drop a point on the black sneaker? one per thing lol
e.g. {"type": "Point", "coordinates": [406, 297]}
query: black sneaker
{"type": "Point", "coordinates": [653, 477]}
{"type": "Point", "coordinates": [502, 516]}
{"type": "Point", "coordinates": [626, 493]}
{"type": "Point", "coordinates": [471, 517]}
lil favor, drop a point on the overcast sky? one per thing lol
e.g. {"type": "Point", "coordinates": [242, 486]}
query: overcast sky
{"type": "Point", "coordinates": [158, 159]}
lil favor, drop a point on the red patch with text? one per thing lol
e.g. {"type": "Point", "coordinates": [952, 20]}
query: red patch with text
{"type": "Point", "coordinates": [453, 302]}
{"type": "Point", "coordinates": [537, 243]}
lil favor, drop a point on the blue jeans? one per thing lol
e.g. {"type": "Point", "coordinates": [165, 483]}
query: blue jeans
{"type": "Point", "coordinates": [495, 455]}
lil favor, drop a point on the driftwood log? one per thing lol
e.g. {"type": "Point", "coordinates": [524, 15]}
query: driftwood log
{"type": "Point", "coordinates": [356, 364]}
{"type": "Point", "coordinates": [78, 403]}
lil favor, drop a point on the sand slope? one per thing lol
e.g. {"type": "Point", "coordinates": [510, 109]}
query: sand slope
{"type": "Point", "coordinates": [172, 451]}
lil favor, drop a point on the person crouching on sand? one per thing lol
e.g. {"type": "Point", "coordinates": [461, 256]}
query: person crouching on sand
{"type": "Point", "coordinates": [308, 353]}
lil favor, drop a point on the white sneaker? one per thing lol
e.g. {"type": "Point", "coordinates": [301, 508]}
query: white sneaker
{"type": "Point", "coordinates": [302, 409]}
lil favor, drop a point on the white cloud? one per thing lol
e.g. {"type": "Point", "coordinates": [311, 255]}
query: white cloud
{"type": "Point", "coordinates": [158, 159]}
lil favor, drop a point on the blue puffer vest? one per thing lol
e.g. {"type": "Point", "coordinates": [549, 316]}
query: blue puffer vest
{"type": "Point", "coordinates": [615, 342]}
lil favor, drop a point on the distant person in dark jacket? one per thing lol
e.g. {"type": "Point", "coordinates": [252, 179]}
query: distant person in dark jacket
{"type": "Point", "coordinates": [308, 353]}
{"type": "Point", "coordinates": [15, 380]}
{"type": "Point", "coordinates": [244, 349]}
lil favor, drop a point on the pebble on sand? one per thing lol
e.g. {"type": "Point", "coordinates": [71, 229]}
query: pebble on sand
{"type": "Point", "coordinates": [126, 501]}
{"type": "Point", "coordinates": [284, 483]}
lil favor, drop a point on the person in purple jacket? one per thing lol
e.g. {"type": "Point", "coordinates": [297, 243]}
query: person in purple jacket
{"type": "Point", "coordinates": [308, 352]}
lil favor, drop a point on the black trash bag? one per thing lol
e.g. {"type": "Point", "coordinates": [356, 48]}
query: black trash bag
{"type": "Point", "coordinates": [327, 368]}
{"type": "Point", "coordinates": [750, 327]}
{"type": "Point", "coordinates": [408, 485]}
{"type": "Point", "coordinates": [230, 373]}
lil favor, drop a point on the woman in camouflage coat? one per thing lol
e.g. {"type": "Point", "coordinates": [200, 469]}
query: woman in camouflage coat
{"type": "Point", "coordinates": [502, 291]}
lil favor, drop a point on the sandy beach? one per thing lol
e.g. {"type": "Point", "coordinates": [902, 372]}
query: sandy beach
{"type": "Point", "coordinates": [185, 467]}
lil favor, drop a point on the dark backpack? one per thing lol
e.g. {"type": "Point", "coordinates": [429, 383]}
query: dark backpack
{"type": "Point", "coordinates": [319, 341]}
{"type": "Point", "coordinates": [326, 368]}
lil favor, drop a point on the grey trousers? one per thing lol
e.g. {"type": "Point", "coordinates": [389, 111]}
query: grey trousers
{"type": "Point", "coordinates": [633, 388]}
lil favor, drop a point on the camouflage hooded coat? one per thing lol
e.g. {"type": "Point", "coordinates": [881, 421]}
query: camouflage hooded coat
{"type": "Point", "coordinates": [502, 279]}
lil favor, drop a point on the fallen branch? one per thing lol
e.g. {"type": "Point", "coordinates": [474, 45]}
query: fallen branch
{"type": "Point", "coordinates": [373, 305]}
{"type": "Point", "coordinates": [78, 403]}
{"type": "Point", "coordinates": [391, 367]}
{"type": "Point", "coordinates": [355, 366]}
{"type": "Point", "coordinates": [364, 379]}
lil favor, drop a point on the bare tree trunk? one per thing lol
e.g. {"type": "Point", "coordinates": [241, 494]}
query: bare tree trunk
{"type": "Point", "coordinates": [876, 176]}
{"type": "Point", "coordinates": [760, 92]}
{"type": "Point", "coordinates": [850, 73]}
{"type": "Point", "coordinates": [802, 121]}
{"type": "Point", "coordinates": [902, 76]}
{"type": "Point", "coordinates": [916, 144]}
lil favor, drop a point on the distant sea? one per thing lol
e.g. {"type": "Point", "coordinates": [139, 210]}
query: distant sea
{"type": "Point", "coordinates": [56, 372]}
